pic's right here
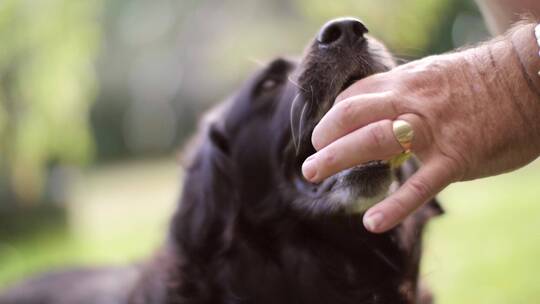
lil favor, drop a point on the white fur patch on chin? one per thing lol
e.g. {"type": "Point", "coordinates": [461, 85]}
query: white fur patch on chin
{"type": "Point", "coordinates": [362, 204]}
{"type": "Point", "coordinates": [356, 205]}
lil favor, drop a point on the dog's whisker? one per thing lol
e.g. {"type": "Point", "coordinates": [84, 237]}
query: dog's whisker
{"type": "Point", "coordinates": [312, 94]}
{"type": "Point", "coordinates": [362, 62]}
{"type": "Point", "coordinates": [333, 80]}
{"type": "Point", "coordinates": [301, 126]}
{"type": "Point", "coordinates": [381, 255]}
{"type": "Point", "coordinates": [293, 116]}
{"type": "Point", "coordinates": [385, 259]}
{"type": "Point", "coordinates": [257, 62]}
{"type": "Point", "coordinates": [296, 84]}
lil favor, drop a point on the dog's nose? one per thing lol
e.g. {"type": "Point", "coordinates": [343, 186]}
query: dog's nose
{"type": "Point", "coordinates": [342, 31]}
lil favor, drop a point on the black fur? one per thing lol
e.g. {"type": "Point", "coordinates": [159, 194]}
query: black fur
{"type": "Point", "coordinates": [249, 229]}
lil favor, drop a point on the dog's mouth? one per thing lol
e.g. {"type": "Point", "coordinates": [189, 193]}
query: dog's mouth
{"type": "Point", "coordinates": [359, 175]}
{"type": "Point", "coordinates": [339, 57]}
{"type": "Point", "coordinates": [355, 189]}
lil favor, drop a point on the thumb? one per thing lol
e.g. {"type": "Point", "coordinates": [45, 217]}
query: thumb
{"type": "Point", "coordinates": [430, 179]}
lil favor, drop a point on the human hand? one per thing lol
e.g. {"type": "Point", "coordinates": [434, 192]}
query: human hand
{"type": "Point", "coordinates": [474, 114]}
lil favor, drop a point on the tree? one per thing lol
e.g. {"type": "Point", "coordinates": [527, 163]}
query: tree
{"type": "Point", "coordinates": [47, 83]}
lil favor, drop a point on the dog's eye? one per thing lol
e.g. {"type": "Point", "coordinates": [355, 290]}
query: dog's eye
{"type": "Point", "coordinates": [268, 84]}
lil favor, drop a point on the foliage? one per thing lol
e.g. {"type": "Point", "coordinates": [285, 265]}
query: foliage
{"type": "Point", "coordinates": [46, 85]}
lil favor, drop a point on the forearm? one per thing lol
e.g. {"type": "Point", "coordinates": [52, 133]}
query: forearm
{"type": "Point", "coordinates": [492, 91]}
{"type": "Point", "coordinates": [509, 68]}
{"type": "Point", "coordinates": [474, 113]}
{"type": "Point", "coordinates": [504, 73]}
{"type": "Point", "coordinates": [525, 46]}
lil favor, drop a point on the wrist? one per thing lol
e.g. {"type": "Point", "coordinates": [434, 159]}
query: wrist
{"type": "Point", "coordinates": [525, 62]}
{"type": "Point", "coordinates": [501, 83]}
{"type": "Point", "coordinates": [507, 69]}
{"type": "Point", "coordinates": [527, 49]}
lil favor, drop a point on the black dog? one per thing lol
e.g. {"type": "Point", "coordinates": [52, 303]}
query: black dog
{"type": "Point", "coordinates": [249, 228]}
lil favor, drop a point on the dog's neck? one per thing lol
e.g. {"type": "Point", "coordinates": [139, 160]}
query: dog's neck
{"type": "Point", "coordinates": [289, 258]}
{"type": "Point", "coordinates": [222, 252]}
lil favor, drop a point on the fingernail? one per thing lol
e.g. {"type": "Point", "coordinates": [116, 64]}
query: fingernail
{"type": "Point", "coordinates": [373, 221]}
{"type": "Point", "coordinates": [308, 168]}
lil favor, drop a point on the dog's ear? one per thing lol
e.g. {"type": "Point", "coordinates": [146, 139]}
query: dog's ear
{"type": "Point", "coordinates": [433, 207]}
{"type": "Point", "coordinates": [219, 139]}
{"type": "Point", "coordinates": [204, 223]}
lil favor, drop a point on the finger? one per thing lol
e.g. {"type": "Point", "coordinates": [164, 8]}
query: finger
{"type": "Point", "coordinates": [375, 141]}
{"type": "Point", "coordinates": [351, 114]}
{"type": "Point", "coordinates": [421, 187]}
{"type": "Point", "coordinates": [372, 84]}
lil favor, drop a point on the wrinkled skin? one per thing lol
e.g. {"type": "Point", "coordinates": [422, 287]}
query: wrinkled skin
{"type": "Point", "coordinates": [474, 114]}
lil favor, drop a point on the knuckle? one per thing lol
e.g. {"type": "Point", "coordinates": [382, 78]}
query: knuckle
{"type": "Point", "coordinates": [328, 158]}
{"type": "Point", "coordinates": [455, 164]}
{"type": "Point", "coordinates": [420, 188]}
{"type": "Point", "coordinates": [397, 105]}
{"type": "Point", "coordinates": [399, 207]}
{"type": "Point", "coordinates": [343, 96]}
{"type": "Point", "coordinates": [376, 136]}
{"type": "Point", "coordinates": [345, 114]}
{"type": "Point", "coordinates": [423, 135]}
{"type": "Point", "coordinates": [316, 138]}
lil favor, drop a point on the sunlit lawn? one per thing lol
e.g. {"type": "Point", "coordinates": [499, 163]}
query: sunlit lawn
{"type": "Point", "coordinates": [486, 248]}
{"type": "Point", "coordinates": [117, 214]}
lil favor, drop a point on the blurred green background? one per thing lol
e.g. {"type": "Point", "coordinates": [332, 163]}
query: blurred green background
{"type": "Point", "coordinates": [97, 97]}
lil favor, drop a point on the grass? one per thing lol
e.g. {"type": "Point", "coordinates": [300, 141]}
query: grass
{"type": "Point", "coordinates": [99, 232]}
{"type": "Point", "coordinates": [485, 248]}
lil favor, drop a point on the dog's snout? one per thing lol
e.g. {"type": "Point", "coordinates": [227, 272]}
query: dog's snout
{"type": "Point", "coordinates": [342, 31]}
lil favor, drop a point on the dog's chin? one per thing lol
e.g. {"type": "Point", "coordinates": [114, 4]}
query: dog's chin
{"type": "Point", "coordinates": [351, 191]}
{"type": "Point", "coordinates": [357, 189]}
